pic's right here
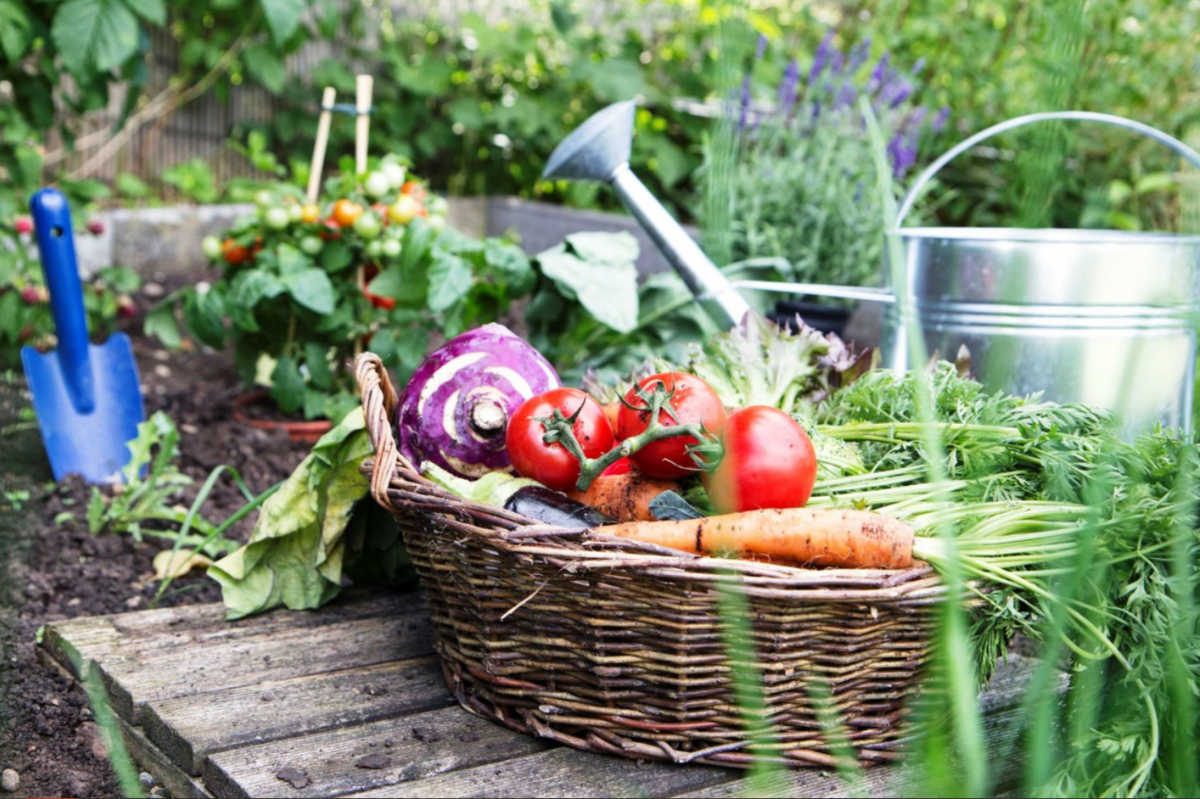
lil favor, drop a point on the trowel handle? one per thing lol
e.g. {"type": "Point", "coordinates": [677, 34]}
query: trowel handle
{"type": "Point", "coordinates": [700, 274]}
{"type": "Point", "coordinates": [56, 243]}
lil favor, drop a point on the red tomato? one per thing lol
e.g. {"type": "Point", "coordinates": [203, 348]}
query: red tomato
{"type": "Point", "coordinates": [611, 411]}
{"type": "Point", "coordinates": [769, 462]}
{"type": "Point", "coordinates": [234, 253]}
{"type": "Point", "coordinates": [693, 401]}
{"type": "Point", "coordinates": [619, 466]}
{"type": "Point", "coordinates": [553, 465]}
{"type": "Point", "coordinates": [369, 273]}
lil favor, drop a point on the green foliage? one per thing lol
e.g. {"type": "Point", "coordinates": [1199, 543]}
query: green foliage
{"type": "Point", "coordinates": [25, 318]}
{"type": "Point", "coordinates": [479, 105]}
{"type": "Point", "coordinates": [318, 522]}
{"type": "Point", "coordinates": [147, 502]}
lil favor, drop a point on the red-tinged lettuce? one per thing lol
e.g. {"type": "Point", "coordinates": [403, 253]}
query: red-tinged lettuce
{"type": "Point", "coordinates": [456, 407]}
{"type": "Point", "coordinates": [792, 368]}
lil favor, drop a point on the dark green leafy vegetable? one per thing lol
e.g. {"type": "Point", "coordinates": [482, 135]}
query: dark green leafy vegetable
{"type": "Point", "coordinates": [299, 550]}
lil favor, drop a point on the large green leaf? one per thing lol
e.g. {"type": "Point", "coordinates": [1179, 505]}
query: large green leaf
{"type": "Point", "coordinates": [450, 279]}
{"type": "Point", "coordinates": [312, 289]}
{"type": "Point", "coordinates": [292, 260]}
{"type": "Point", "coordinates": [316, 359]}
{"type": "Point", "coordinates": [608, 291]}
{"type": "Point", "coordinates": [283, 17]}
{"type": "Point", "coordinates": [204, 315]}
{"type": "Point", "coordinates": [336, 256]}
{"type": "Point", "coordinates": [247, 291]}
{"type": "Point", "coordinates": [265, 67]}
{"type": "Point", "coordinates": [154, 11]}
{"type": "Point", "coordinates": [287, 385]}
{"type": "Point", "coordinates": [513, 265]}
{"type": "Point", "coordinates": [94, 35]}
{"type": "Point", "coordinates": [15, 30]}
{"type": "Point", "coordinates": [605, 248]}
{"type": "Point", "coordinates": [160, 323]}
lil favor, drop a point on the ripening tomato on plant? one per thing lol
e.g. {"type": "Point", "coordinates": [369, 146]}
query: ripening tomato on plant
{"type": "Point", "coordinates": [553, 465]}
{"type": "Point", "coordinates": [346, 212]}
{"type": "Point", "coordinates": [370, 270]}
{"type": "Point", "coordinates": [768, 462]}
{"type": "Point", "coordinates": [692, 401]}
{"type": "Point", "coordinates": [234, 253]}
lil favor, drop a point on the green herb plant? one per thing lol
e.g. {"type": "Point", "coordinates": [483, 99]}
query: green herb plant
{"type": "Point", "coordinates": [147, 504]}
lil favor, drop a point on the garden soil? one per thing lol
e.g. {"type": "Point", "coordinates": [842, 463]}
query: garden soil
{"type": "Point", "coordinates": [52, 569]}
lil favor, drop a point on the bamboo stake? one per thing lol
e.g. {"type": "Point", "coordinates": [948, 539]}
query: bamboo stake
{"type": "Point", "coordinates": [318, 158]}
{"type": "Point", "coordinates": [363, 86]}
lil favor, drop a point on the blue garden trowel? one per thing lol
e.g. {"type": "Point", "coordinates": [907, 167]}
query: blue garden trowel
{"type": "Point", "coordinates": [87, 396]}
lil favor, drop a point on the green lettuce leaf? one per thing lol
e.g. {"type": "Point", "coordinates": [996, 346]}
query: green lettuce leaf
{"type": "Point", "coordinates": [297, 553]}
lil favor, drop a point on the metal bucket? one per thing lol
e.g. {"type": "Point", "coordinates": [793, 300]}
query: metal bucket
{"type": "Point", "coordinates": [1102, 317]}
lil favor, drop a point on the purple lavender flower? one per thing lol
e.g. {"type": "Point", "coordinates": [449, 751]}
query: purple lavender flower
{"type": "Point", "coordinates": [824, 49]}
{"type": "Point", "coordinates": [896, 92]}
{"type": "Point", "coordinates": [816, 110]}
{"type": "Point", "coordinates": [787, 88]}
{"type": "Point", "coordinates": [879, 75]}
{"type": "Point", "coordinates": [939, 122]}
{"type": "Point", "coordinates": [916, 118]}
{"type": "Point", "coordinates": [858, 56]}
{"type": "Point", "coordinates": [838, 62]}
{"type": "Point", "coordinates": [762, 47]}
{"type": "Point", "coordinates": [919, 66]}
{"type": "Point", "coordinates": [845, 97]}
{"type": "Point", "coordinates": [902, 152]}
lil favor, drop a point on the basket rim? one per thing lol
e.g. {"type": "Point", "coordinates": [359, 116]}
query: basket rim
{"type": "Point", "coordinates": [398, 486]}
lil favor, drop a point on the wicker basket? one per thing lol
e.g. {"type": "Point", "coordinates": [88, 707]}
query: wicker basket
{"type": "Point", "coordinates": [613, 646]}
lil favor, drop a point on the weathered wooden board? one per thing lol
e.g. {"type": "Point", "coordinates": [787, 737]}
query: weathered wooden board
{"type": "Point", "coordinates": [563, 772]}
{"type": "Point", "coordinates": [351, 702]}
{"type": "Point", "coordinates": [372, 755]}
{"type": "Point", "coordinates": [140, 666]}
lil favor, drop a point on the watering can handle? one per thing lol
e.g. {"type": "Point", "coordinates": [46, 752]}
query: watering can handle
{"type": "Point", "coordinates": [1017, 122]}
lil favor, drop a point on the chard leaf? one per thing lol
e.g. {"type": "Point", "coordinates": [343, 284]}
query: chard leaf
{"type": "Point", "coordinates": [669, 506]}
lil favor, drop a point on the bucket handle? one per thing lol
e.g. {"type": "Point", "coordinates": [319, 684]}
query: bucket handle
{"type": "Point", "coordinates": [1017, 122]}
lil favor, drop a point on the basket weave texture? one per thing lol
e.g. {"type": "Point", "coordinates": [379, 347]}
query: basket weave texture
{"type": "Point", "coordinates": [614, 646]}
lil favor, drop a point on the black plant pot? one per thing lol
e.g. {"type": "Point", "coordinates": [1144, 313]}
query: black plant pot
{"type": "Point", "coordinates": [826, 318]}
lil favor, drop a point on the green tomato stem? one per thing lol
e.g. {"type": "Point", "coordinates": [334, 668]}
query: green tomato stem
{"type": "Point", "coordinates": [561, 429]}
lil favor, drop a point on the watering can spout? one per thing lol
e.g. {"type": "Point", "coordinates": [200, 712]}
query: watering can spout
{"type": "Point", "coordinates": [599, 150]}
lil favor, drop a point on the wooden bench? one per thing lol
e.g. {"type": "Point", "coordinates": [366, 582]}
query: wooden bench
{"type": "Point", "coordinates": [349, 701]}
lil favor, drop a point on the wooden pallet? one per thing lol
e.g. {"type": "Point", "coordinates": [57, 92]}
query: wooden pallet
{"type": "Point", "coordinates": [349, 701]}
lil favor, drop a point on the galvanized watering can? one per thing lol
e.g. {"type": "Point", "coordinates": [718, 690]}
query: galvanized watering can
{"type": "Point", "coordinates": [1102, 317]}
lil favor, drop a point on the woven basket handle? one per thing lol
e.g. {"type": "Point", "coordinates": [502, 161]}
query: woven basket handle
{"type": "Point", "coordinates": [379, 401]}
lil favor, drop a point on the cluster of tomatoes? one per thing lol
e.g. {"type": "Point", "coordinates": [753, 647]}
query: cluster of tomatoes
{"type": "Point", "coordinates": [376, 229]}
{"type": "Point", "coordinates": [765, 460]}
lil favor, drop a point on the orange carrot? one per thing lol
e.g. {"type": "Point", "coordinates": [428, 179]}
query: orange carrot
{"type": "Point", "coordinates": [624, 497]}
{"type": "Point", "coordinates": [809, 537]}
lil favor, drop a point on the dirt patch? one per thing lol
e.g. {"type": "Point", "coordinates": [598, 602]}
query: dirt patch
{"type": "Point", "coordinates": [55, 571]}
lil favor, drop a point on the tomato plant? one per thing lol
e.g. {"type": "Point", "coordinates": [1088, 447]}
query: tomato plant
{"type": "Point", "coordinates": [691, 401]}
{"type": "Point", "coordinates": [768, 462]}
{"type": "Point", "coordinates": [553, 465]}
